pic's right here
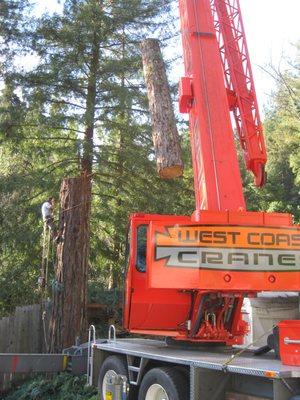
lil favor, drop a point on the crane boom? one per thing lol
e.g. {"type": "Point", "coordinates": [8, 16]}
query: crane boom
{"type": "Point", "coordinates": [209, 91]}
{"type": "Point", "coordinates": [240, 84]}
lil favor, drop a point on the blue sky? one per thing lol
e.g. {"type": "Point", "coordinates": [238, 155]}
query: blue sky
{"type": "Point", "coordinates": [272, 27]}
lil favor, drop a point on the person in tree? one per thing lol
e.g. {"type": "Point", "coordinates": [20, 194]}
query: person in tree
{"type": "Point", "coordinates": [49, 232]}
{"type": "Point", "coordinates": [47, 213]}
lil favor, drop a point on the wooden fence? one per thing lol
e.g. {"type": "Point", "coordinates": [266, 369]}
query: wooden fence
{"type": "Point", "coordinates": [22, 332]}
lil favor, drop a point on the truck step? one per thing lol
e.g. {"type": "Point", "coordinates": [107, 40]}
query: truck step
{"type": "Point", "coordinates": [135, 368]}
{"type": "Point", "coordinates": [132, 368]}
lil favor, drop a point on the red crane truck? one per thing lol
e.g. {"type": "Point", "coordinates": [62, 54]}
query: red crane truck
{"type": "Point", "coordinates": [187, 276]}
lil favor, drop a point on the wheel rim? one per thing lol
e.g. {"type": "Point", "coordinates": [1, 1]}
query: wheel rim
{"type": "Point", "coordinates": [156, 392]}
{"type": "Point", "coordinates": [109, 374]}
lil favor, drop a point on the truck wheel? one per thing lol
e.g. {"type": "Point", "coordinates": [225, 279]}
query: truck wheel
{"type": "Point", "coordinates": [112, 366]}
{"type": "Point", "coordinates": [164, 384]}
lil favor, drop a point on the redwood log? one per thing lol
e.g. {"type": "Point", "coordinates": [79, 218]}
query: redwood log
{"type": "Point", "coordinates": [164, 131]}
{"type": "Point", "coordinates": [68, 321]}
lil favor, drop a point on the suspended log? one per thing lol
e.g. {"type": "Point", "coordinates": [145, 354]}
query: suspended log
{"type": "Point", "coordinates": [164, 131]}
{"type": "Point", "coordinates": [68, 321]}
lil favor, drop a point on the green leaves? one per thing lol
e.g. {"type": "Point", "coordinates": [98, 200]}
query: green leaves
{"type": "Point", "coordinates": [282, 131]}
{"type": "Point", "coordinates": [60, 387]}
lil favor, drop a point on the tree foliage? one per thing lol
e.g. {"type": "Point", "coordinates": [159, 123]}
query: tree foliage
{"type": "Point", "coordinates": [59, 387]}
{"type": "Point", "coordinates": [282, 130]}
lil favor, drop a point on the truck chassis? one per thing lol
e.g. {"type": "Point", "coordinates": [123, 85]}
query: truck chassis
{"type": "Point", "coordinates": [217, 373]}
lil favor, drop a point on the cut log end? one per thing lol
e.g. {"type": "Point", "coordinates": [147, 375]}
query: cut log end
{"type": "Point", "coordinates": [166, 139]}
{"type": "Point", "coordinates": [176, 171]}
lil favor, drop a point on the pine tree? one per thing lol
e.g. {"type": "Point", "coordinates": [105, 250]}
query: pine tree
{"type": "Point", "coordinates": [13, 21]}
{"type": "Point", "coordinates": [30, 171]}
{"type": "Point", "coordinates": [81, 69]}
{"type": "Point", "coordinates": [282, 131]}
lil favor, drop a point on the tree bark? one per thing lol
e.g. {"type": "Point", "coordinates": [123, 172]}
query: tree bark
{"type": "Point", "coordinates": [164, 130]}
{"type": "Point", "coordinates": [68, 320]}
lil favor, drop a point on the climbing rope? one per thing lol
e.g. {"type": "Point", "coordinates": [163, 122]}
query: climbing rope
{"type": "Point", "coordinates": [47, 256]}
{"type": "Point", "coordinates": [43, 281]}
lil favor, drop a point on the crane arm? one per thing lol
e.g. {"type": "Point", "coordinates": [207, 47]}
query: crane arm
{"type": "Point", "coordinates": [203, 95]}
{"type": "Point", "coordinates": [239, 81]}
{"type": "Point", "coordinates": [218, 79]}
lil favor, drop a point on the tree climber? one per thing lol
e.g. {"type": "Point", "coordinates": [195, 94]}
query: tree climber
{"type": "Point", "coordinates": [47, 213]}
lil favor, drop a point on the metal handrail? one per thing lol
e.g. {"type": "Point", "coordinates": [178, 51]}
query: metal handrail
{"type": "Point", "coordinates": [91, 341]}
{"type": "Point", "coordinates": [112, 333]}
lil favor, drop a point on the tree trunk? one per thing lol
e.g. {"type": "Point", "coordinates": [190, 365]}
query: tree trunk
{"type": "Point", "coordinates": [164, 130]}
{"type": "Point", "coordinates": [71, 276]}
{"type": "Point", "coordinates": [70, 286]}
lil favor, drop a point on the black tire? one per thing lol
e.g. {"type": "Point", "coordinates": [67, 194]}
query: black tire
{"type": "Point", "coordinates": [111, 363]}
{"type": "Point", "coordinates": [172, 380]}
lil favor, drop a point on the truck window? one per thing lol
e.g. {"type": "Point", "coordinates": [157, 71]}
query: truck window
{"type": "Point", "coordinates": [141, 248]}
